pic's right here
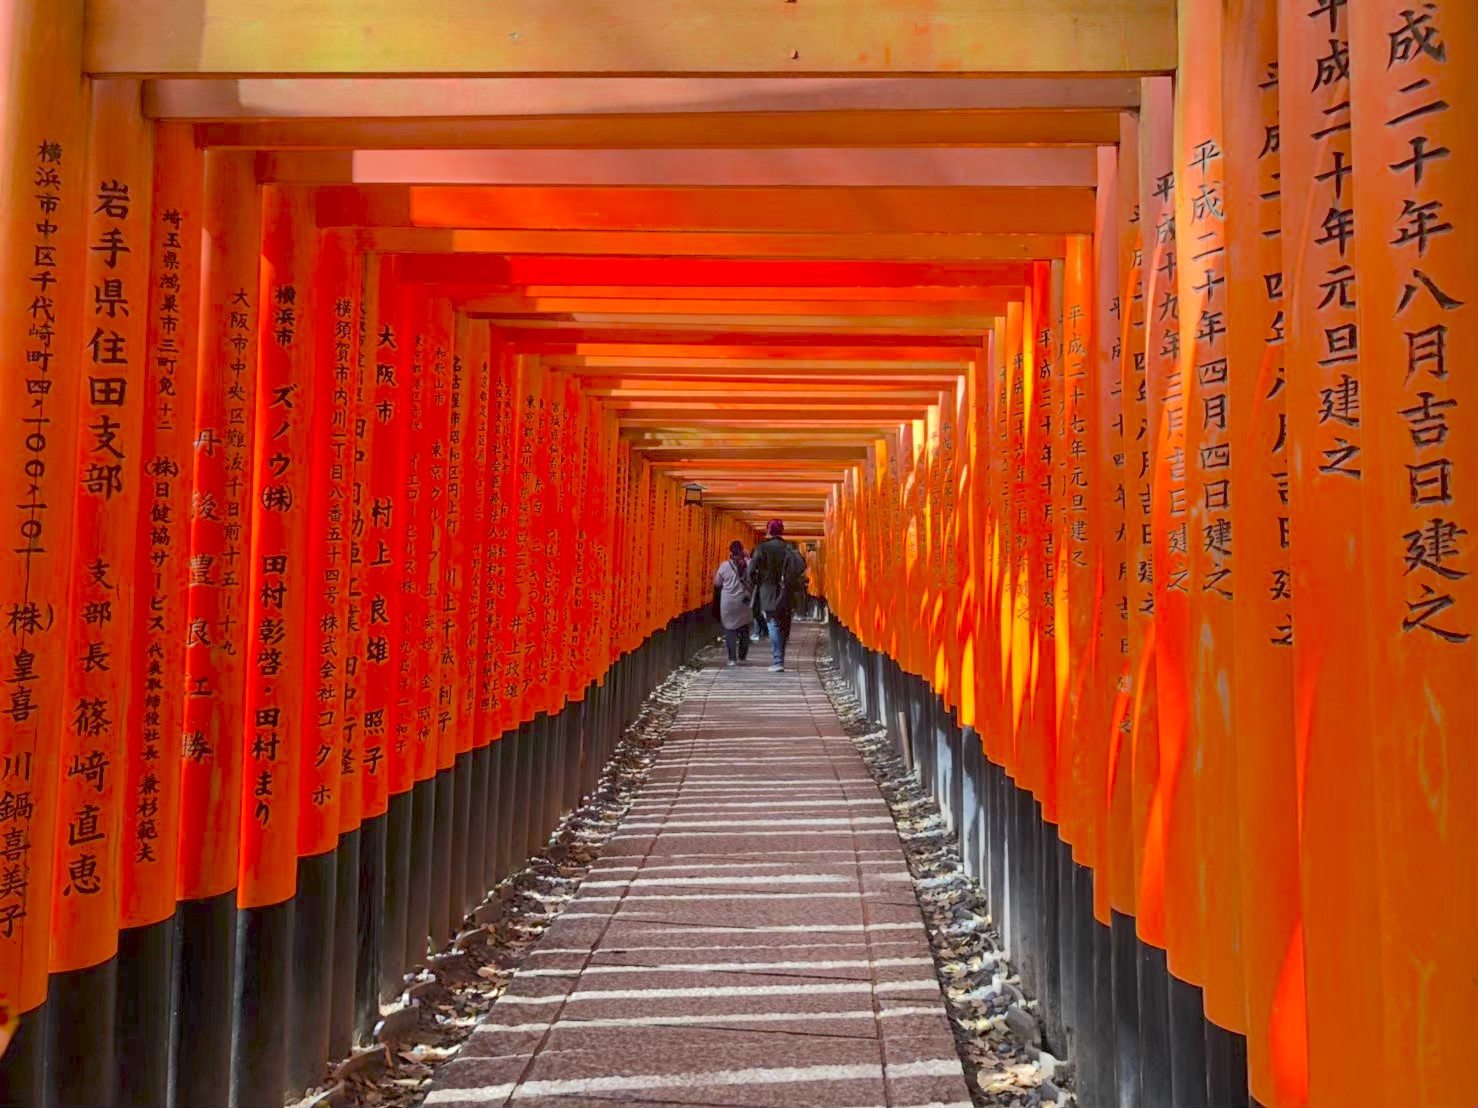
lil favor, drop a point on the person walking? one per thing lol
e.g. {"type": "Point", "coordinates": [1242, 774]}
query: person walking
{"type": "Point", "coordinates": [778, 574]}
{"type": "Point", "coordinates": [735, 598]}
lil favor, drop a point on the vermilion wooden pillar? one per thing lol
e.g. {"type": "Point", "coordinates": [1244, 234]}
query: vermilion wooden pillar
{"type": "Point", "coordinates": [216, 648]}
{"type": "Point", "coordinates": [361, 853]}
{"type": "Point", "coordinates": [42, 156]}
{"type": "Point", "coordinates": [98, 616]}
{"type": "Point", "coordinates": [475, 432]}
{"type": "Point", "coordinates": [1211, 470]}
{"type": "Point", "coordinates": [1333, 739]}
{"type": "Point", "coordinates": [1174, 853]}
{"type": "Point", "coordinates": [1109, 682]}
{"type": "Point", "coordinates": [1415, 125]}
{"type": "Point", "coordinates": [1157, 342]}
{"type": "Point", "coordinates": [330, 332]}
{"type": "Point", "coordinates": [435, 773]}
{"type": "Point", "coordinates": [386, 764]}
{"type": "Point", "coordinates": [278, 654]}
{"type": "Point", "coordinates": [1135, 715]}
{"type": "Point", "coordinates": [151, 794]}
{"type": "Point", "coordinates": [1271, 904]}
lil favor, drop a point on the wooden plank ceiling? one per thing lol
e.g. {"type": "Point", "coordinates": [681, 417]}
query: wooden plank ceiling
{"type": "Point", "coordinates": [763, 264]}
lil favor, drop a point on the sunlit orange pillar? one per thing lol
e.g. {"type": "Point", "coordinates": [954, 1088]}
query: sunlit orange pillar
{"type": "Point", "coordinates": [43, 154]}
{"type": "Point", "coordinates": [97, 695]}
{"type": "Point", "coordinates": [1333, 737]}
{"type": "Point", "coordinates": [1156, 342]}
{"type": "Point", "coordinates": [1271, 905]}
{"type": "Point", "coordinates": [1169, 544]}
{"type": "Point", "coordinates": [1075, 618]}
{"type": "Point", "coordinates": [148, 856]}
{"type": "Point", "coordinates": [1108, 683]}
{"type": "Point", "coordinates": [216, 646]}
{"type": "Point", "coordinates": [1209, 759]}
{"type": "Point", "coordinates": [1414, 112]}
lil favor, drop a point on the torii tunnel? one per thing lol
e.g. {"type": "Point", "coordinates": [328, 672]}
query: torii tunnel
{"type": "Point", "coordinates": [385, 382]}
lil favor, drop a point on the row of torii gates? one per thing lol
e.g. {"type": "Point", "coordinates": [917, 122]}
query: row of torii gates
{"type": "Point", "coordinates": [1114, 364]}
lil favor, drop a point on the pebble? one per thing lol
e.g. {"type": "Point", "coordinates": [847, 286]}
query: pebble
{"type": "Point", "coordinates": [1023, 1026]}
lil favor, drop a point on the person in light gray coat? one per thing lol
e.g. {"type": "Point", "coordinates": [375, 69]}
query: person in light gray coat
{"type": "Point", "coordinates": [735, 602]}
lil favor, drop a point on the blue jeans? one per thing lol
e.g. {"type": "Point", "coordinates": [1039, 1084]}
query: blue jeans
{"type": "Point", "coordinates": [779, 635]}
{"type": "Point", "coordinates": [737, 643]}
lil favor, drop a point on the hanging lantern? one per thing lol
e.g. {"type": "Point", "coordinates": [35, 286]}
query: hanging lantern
{"type": "Point", "coordinates": [692, 496]}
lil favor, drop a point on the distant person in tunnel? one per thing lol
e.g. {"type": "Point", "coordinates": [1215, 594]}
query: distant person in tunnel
{"type": "Point", "coordinates": [735, 598]}
{"type": "Point", "coordinates": [778, 573]}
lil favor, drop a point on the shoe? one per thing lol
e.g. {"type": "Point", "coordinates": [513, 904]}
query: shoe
{"type": "Point", "coordinates": [732, 663]}
{"type": "Point", "coordinates": [777, 669]}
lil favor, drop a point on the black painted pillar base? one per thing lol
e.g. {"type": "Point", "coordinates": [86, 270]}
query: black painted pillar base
{"type": "Point", "coordinates": [311, 1005]}
{"type": "Point", "coordinates": [1226, 1068]}
{"type": "Point", "coordinates": [1156, 1088]}
{"type": "Point", "coordinates": [395, 902]}
{"type": "Point", "coordinates": [442, 859]}
{"type": "Point", "coordinates": [80, 1010]}
{"type": "Point", "coordinates": [472, 816]}
{"type": "Point", "coordinates": [141, 1029]}
{"type": "Point", "coordinates": [1187, 1045]}
{"type": "Point", "coordinates": [346, 946]}
{"type": "Point", "coordinates": [24, 1063]}
{"type": "Point", "coordinates": [204, 999]}
{"type": "Point", "coordinates": [370, 933]}
{"type": "Point", "coordinates": [422, 870]}
{"type": "Point", "coordinates": [263, 995]}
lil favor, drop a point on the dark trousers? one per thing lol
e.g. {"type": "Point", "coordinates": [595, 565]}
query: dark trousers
{"type": "Point", "coordinates": [737, 643]}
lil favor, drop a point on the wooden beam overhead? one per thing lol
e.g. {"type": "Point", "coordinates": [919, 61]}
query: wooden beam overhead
{"type": "Point", "coordinates": [719, 130]}
{"type": "Point", "coordinates": [344, 38]}
{"type": "Point", "coordinates": [958, 167]}
{"type": "Point", "coordinates": [460, 97]}
{"type": "Point", "coordinates": [811, 211]}
{"type": "Point", "coordinates": [714, 245]}
{"type": "Point", "coordinates": [554, 340]}
{"type": "Point", "coordinates": [869, 364]}
{"type": "Point", "coordinates": [941, 167]}
{"type": "Point", "coordinates": [946, 312]}
{"type": "Point", "coordinates": [537, 269]}
{"type": "Point", "coordinates": [753, 355]}
{"type": "Point", "coordinates": [933, 294]}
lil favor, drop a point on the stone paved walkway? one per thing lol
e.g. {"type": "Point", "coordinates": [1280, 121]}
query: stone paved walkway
{"type": "Point", "coordinates": [748, 937]}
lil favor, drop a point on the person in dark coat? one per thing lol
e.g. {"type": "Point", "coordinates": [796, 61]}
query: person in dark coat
{"type": "Point", "coordinates": [778, 574]}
